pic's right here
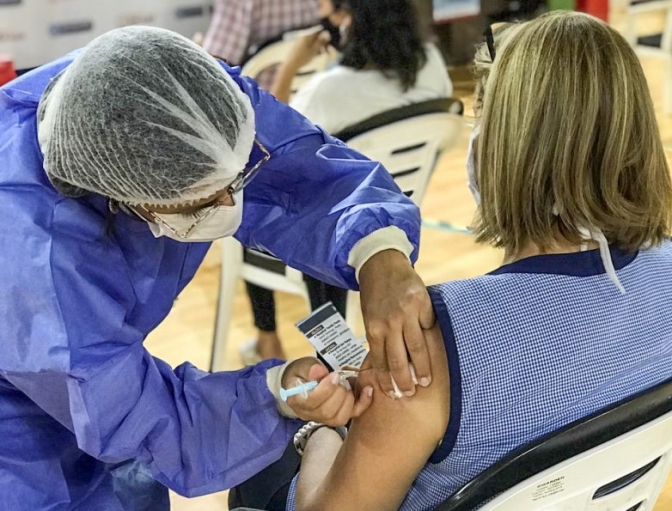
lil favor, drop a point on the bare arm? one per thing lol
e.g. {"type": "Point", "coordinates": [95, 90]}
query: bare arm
{"type": "Point", "coordinates": [282, 86]}
{"type": "Point", "coordinates": [304, 50]}
{"type": "Point", "coordinates": [385, 449]}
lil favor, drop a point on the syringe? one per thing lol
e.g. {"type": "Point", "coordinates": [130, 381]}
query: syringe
{"type": "Point", "coordinates": [302, 388]}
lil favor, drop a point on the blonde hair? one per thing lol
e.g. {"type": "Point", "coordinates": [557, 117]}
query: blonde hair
{"type": "Point", "coordinates": [568, 139]}
{"type": "Point", "coordinates": [483, 63]}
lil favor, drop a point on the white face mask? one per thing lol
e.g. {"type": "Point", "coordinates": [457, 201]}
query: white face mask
{"type": "Point", "coordinates": [220, 221]}
{"type": "Point", "coordinates": [471, 165]}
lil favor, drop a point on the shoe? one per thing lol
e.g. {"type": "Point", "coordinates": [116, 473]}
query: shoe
{"type": "Point", "coordinates": [249, 353]}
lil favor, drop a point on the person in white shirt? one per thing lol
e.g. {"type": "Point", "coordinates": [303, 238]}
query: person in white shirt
{"type": "Point", "coordinates": [386, 64]}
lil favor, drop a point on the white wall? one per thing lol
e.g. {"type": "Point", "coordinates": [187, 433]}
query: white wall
{"type": "Point", "coordinates": [34, 32]}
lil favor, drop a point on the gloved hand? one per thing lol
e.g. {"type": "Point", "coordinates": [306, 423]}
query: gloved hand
{"type": "Point", "coordinates": [331, 402]}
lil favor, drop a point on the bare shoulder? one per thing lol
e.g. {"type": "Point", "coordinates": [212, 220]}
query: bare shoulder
{"type": "Point", "coordinates": [424, 415]}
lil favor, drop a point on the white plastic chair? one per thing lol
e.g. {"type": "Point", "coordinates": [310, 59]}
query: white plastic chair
{"type": "Point", "coordinates": [653, 45]}
{"type": "Point", "coordinates": [276, 52]}
{"type": "Point", "coordinates": [616, 460]}
{"type": "Point", "coordinates": [408, 141]}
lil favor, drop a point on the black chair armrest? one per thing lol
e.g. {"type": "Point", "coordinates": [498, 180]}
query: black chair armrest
{"type": "Point", "coordinates": [440, 105]}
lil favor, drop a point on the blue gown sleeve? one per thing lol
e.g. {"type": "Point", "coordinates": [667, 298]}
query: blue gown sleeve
{"type": "Point", "coordinates": [76, 353]}
{"type": "Point", "coordinates": [316, 198]}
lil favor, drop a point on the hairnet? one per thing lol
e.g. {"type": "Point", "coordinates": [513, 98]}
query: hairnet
{"type": "Point", "coordinates": [144, 115]}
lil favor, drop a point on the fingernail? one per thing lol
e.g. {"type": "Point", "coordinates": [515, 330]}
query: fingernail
{"type": "Point", "coordinates": [424, 381]}
{"type": "Point", "coordinates": [336, 379]}
{"type": "Point", "coordinates": [409, 393]}
{"type": "Point", "coordinates": [392, 394]}
{"type": "Point", "coordinates": [369, 391]}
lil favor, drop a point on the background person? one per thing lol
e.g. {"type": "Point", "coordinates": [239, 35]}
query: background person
{"type": "Point", "coordinates": [386, 64]}
{"type": "Point", "coordinates": [239, 26]}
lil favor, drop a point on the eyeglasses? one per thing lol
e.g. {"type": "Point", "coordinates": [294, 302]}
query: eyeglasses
{"type": "Point", "coordinates": [246, 175]}
{"type": "Point", "coordinates": [239, 183]}
{"type": "Point", "coordinates": [490, 41]}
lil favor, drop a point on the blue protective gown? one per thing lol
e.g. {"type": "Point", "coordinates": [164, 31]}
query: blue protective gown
{"type": "Point", "coordinates": [88, 418]}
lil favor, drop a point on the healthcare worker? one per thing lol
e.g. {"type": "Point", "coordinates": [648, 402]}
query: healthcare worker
{"type": "Point", "coordinates": [115, 162]}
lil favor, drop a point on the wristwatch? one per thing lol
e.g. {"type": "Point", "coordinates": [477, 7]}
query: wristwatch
{"type": "Point", "coordinates": [301, 437]}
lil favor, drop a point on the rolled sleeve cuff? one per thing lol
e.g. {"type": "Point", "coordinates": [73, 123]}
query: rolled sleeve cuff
{"type": "Point", "coordinates": [274, 382]}
{"type": "Point", "coordinates": [387, 238]}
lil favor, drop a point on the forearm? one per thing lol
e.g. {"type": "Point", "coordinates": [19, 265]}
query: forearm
{"type": "Point", "coordinates": [197, 432]}
{"type": "Point", "coordinates": [282, 86]}
{"type": "Point", "coordinates": [336, 205]}
{"type": "Point", "coordinates": [226, 428]}
{"type": "Point", "coordinates": [390, 244]}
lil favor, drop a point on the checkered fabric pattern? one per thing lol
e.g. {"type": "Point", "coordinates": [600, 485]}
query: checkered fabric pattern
{"type": "Point", "coordinates": [538, 347]}
{"type": "Point", "coordinates": [238, 25]}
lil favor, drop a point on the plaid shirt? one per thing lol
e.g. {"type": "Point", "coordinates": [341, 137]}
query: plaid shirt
{"type": "Point", "coordinates": [238, 25]}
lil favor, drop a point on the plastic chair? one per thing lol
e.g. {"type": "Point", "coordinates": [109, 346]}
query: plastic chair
{"type": "Point", "coordinates": [615, 460]}
{"type": "Point", "coordinates": [275, 52]}
{"type": "Point", "coordinates": [407, 141]}
{"type": "Point", "coordinates": [653, 45]}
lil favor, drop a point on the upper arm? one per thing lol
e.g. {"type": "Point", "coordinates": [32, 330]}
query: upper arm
{"type": "Point", "coordinates": [388, 445]}
{"type": "Point", "coordinates": [316, 198]}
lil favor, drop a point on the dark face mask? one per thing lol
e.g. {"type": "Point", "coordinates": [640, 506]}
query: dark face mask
{"type": "Point", "coordinates": [334, 32]}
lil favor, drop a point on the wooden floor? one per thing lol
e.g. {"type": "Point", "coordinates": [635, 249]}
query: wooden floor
{"type": "Point", "coordinates": [187, 333]}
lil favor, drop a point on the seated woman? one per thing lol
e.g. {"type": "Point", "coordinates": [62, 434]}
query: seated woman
{"type": "Point", "coordinates": [571, 181]}
{"type": "Point", "coordinates": [386, 64]}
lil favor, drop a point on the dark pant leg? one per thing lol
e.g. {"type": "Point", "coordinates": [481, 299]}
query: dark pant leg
{"type": "Point", "coordinates": [263, 307]}
{"type": "Point", "coordinates": [338, 296]}
{"type": "Point", "coordinates": [268, 489]}
{"type": "Point", "coordinates": [321, 293]}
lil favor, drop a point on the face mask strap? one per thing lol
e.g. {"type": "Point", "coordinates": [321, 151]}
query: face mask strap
{"type": "Point", "coordinates": [605, 254]}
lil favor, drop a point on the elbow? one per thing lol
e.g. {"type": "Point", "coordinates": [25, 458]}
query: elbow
{"type": "Point", "coordinates": [305, 504]}
{"type": "Point", "coordinates": [310, 501]}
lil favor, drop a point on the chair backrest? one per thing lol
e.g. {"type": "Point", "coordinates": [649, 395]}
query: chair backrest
{"type": "Point", "coordinates": [615, 460]}
{"type": "Point", "coordinates": [648, 44]}
{"type": "Point", "coordinates": [263, 269]}
{"type": "Point", "coordinates": [409, 140]}
{"type": "Point", "coordinates": [276, 52]}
